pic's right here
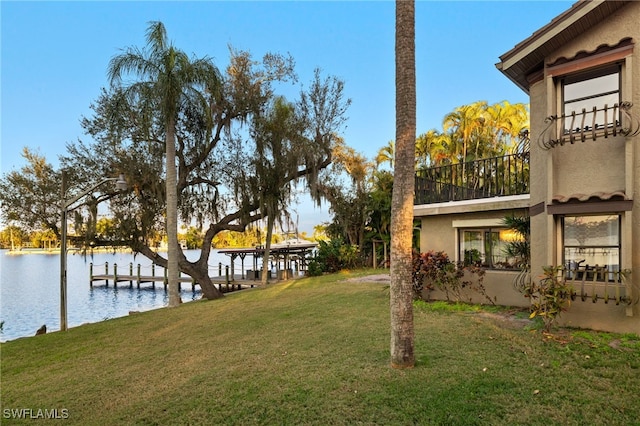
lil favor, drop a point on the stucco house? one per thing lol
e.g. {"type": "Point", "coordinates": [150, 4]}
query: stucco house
{"type": "Point", "coordinates": [578, 179]}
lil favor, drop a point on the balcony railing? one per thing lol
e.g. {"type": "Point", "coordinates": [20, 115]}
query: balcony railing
{"type": "Point", "coordinates": [491, 177]}
{"type": "Point", "coordinates": [592, 124]}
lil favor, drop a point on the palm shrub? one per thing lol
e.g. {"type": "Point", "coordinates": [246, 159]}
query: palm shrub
{"type": "Point", "coordinates": [520, 249]}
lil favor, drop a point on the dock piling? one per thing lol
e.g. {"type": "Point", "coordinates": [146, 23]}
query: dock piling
{"type": "Point", "coordinates": [130, 274]}
{"type": "Point", "coordinates": [166, 279]}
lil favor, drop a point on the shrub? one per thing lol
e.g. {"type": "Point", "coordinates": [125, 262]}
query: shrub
{"type": "Point", "coordinates": [550, 296]}
{"type": "Point", "coordinates": [314, 268]}
{"type": "Point", "coordinates": [333, 256]}
{"type": "Point", "coordinates": [435, 270]}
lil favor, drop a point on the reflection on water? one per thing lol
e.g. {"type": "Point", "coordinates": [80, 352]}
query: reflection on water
{"type": "Point", "coordinates": [30, 291]}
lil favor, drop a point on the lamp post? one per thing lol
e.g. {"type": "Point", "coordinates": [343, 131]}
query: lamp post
{"type": "Point", "coordinates": [66, 206]}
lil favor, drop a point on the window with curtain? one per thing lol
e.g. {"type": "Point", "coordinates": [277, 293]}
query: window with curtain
{"type": "Point", "coordinates": [591, 243]}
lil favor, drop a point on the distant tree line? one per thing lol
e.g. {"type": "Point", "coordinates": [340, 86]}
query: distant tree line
{"type": "Point", "coordinates": [15, 237]}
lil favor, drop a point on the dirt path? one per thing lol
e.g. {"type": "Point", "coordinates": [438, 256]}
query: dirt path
{"type": "Point", "coordinates": [377, 278]}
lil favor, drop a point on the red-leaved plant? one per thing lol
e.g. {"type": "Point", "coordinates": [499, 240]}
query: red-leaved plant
{"type": "Point", "coordinates": [434, 269]}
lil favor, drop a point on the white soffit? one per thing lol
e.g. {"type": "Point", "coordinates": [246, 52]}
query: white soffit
{"type": "Point", "coordinates": [477, 223]}
{"type": "Point", "coordinates": [470, 206]}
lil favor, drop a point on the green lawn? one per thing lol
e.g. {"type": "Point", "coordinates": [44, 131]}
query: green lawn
{"type": "Point", "coordinates": [316, 351]}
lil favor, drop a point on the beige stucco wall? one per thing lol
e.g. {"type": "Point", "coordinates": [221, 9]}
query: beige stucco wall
{"type": "Point", "coordinates": [604, 165]}
{"type": "Point", "coordinates": [589, 167]}
{"type": "Point", "coordinates": [439, 234]}
{"type": "Point", "coordinates": [498, 287]}
{"type": "Point", "coordinates": [438, 231]}
{"type": "Point", "coordinates": [600, 316]}
{"type": "Point", "coordinates": [594, 166]}
{"type": "Point", "coordinates": [541, 178]}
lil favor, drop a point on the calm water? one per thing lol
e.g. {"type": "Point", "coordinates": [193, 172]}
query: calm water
{"type": "Point", "coordinates": [30, 290]}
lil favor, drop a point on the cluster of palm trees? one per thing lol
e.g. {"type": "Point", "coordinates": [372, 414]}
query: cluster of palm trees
{"type": "Point", "coordinates": [470, 132]}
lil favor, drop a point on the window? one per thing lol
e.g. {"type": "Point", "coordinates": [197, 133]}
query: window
{"type": "Point", "coordinates": [486, 247]}
{"type": "Point", "coordinates": [597, 88]}
{"type": "Point", "coordinates": [591, 243]}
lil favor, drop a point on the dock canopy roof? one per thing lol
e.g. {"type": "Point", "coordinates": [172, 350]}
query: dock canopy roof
{"type": "Point", "coordinates": [293, 246]}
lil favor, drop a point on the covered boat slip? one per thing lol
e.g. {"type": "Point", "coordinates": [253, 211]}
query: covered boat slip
{"type": "Point", "coordinates": [286, 258]}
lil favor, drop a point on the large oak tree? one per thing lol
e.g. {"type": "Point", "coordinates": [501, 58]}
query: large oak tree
{"type": "Point", "coordinates": [217, 151]}
{"type": "Point", "coordinates": [167, 79]}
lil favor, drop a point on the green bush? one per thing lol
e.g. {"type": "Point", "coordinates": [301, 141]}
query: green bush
{"type": "Point", "coordinates": [333, 256]}
{"type": "Point", "coordinates": [314, 268]}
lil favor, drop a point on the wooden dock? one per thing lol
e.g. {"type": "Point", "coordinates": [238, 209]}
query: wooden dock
{"type": "Point", "coordinates": [226, 282]}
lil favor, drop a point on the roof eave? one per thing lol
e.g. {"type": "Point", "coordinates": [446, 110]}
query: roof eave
{"type": "Point", "coordinates": [528, 56]}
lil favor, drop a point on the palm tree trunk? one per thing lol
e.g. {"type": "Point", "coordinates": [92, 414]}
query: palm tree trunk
{"type": "Point", "coordinates": [464, 162]}
{"type": "Point", "coordinates": [173, 271]}
{"type": "Point", "coordinates": [401, 292]}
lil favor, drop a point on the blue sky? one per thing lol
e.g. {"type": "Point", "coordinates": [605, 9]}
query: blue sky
{"type": "Point", "coordinates": [55, 56]}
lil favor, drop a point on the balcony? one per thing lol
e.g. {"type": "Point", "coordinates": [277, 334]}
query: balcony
{"type": "Point", "coordinates": [487, 178]}
{"type": "Point", "coordinates": [592, 124]}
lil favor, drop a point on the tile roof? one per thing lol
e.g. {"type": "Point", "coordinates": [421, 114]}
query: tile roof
{"type": "Point", "coordinates": [596, 196]}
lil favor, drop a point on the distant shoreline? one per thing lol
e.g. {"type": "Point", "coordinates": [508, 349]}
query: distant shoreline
{"type": "Point", "coordinates": [56, 250]}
